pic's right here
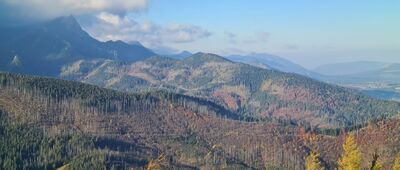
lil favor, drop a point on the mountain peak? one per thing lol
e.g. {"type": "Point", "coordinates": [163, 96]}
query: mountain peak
{"type": "Point", "coordinates": [135, 43]}
{"type": "Point", "coordinates": [200, 56]}
{"type": "Point", "coordinates": [185, 53]}
{"type": "Point", "coordinates": [65, 22]}
{"type": "Point", "coordinates": [182, 55]}
{"type": "Point", "coordinates": [268, 61]}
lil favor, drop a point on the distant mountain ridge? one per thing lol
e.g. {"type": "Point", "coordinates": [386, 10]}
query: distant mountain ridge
{"type": "Point", "coordinates": [42, 49]}
{"type": "Point", "coordinates": [247, 90]}
{"type": "Point", "coordinates": [266, 61]}
{"type": "Point", "coordinates": [269, 61]}
{"type": "Point", "coordinates": [181, 55]}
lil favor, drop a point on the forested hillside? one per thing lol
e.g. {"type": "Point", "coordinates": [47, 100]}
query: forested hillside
{"type": "Point", "coordinates": [42, 109]}
{"type": "Point", "coordinates": [249, 91]}
{"type": "Point", "coordinates": [48, 123]}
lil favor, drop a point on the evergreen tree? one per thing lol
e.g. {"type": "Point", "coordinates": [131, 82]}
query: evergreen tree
{"type": "Point", "coordinates": [351, 155]}
{"type": "Point", "coordinates": [312, 162]}
{"type": "Point", "coordinates": [376, 164]}
{"type": "Point", "coordinates": [396, 164]}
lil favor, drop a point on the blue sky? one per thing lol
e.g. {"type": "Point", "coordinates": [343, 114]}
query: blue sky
{"type": "Point", "coordinates": [308, 32]}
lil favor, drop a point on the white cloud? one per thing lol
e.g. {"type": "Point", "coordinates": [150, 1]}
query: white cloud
{"type": "Point", "coordinates": [113, 27]}
{"type": "Point", "coordinates": [55, 8]}
{"type": "Point", "coordinates": [231, 37]}
{"type": "Point", "coordinates": [108, 18]}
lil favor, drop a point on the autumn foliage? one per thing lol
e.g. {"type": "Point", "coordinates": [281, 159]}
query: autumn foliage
{"type": "Point", "coordinates": [312, 162]}
{"type": "Point", "coordinates": [351, 155]}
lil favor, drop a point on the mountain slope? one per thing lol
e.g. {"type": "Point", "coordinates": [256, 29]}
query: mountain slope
{"type": "Point", "coordinates": [126, 127]}
{"type": "Point", "coordinates": [42, 49]}
{"type": "Point", "coordinates": [144, 130]}
{"type": "Point", "coordinates": [83, 126]}
{"type": "Point", "coordinates": [268, 61]}
{"type": "Point", "coordinates": [249, 91]}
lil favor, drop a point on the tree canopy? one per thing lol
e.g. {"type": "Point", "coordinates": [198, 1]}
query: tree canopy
{"type": "Point", "coordinates": [351, 155]}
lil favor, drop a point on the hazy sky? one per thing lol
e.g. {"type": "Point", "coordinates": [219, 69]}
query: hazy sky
{"type": "Point", "coordinates": [308, 32]}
